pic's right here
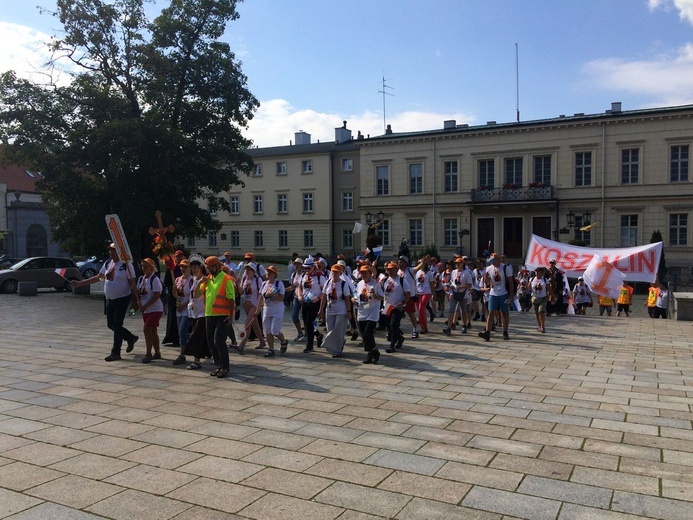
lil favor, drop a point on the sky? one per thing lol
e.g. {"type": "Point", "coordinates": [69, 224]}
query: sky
{"type": "Point", "coordinates": [313, 64]}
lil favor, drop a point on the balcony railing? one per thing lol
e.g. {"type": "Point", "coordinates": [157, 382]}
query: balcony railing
{"type": "Point", "coordinates": [512, 193]}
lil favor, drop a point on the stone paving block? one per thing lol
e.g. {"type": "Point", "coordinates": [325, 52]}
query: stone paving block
{"type": "Point", "coordinates": [74, 491]}
{"type": "Point", "coordinates": [514, 504]}
{"type": "Point", "coordinates": [530, 466]}
{"type": "Point", "coordinates": [223, 447]}
{"type": "Point", "coordinates": [478, 475]}
{"type": "Point", "coordinates": [651, 506]}
{"type": "Point", "coordinates": [623, 450]}
{"type": "Point", "coordinates": [524, 424]}
{"type": "Point", "coordinates": [643, 429]}
{"type": "Point", "coordinates": [357, 515]}
{"type": "Point", "coordinates": [19, 426]}
{"type": "Point", "coordinates": [108, 445]}
{"type": "Point", "coordinates": [380, 440]}
{"type": "Point", "coordinates": [489, 430]}
{"type": "Point", "coordinates": [523, 449]}
{"type": "Point", "coordinates": [678, 457]}
{"type": "Point", "coordinates": [425, 487]}
{"type": "Point", "coordinates": [41, 453]}
{"type": "Point", "coordinates": [377, 426]}
{"type": "Point", "coordinates": [616, 480]}
{"type": "Point", "coordinates": [663, 470]}
{"type": "Point", "coordinates": [548, 439]}
{"type": "Point", "coordinates": [405, 462]}
{"type": "Point", "coordinates": [12, 502]}
{"type": "Point", "coordinates": [333, 419]}
{"type": "Point", "coordinates": [566, 491]}
{"type": "Point", "coordinates": [587, 433]}
{"type": "Point", "coordinates": [224, 430]}
{"type": "Point", "coordinates": [118, 428]}
{"type": "Point", "coordinates": [421, 509]}
{"type": "Point", "coordinates": [354, 472]}
{"type": "Point", "coordinates": [456, 453]}
{"type": "Point", "coordinates": [278, 507]}
{"type": "Point", "coordinates": [287, 441]}
{"type": "Point", "coordinates": [168, 437]}
{"type": "Point", "coordinates": [220, 468]}
{"type": "Point", "coordinates": [438, 435]}
{"type": "Point", "coordinates": [215, 494]}
{"type": "Point", "coordinates": [162, 456]}
{"type": "Point", "coordinates": [338, 450]}
{"type": "Point", "coordinates": [667, 443]}
{"type": "Point", "coordinates": [408, 408]}
{"type": "Point", "coordinates": [131, 504]}
{"type": "Point", "coordinates": [49, 511]}
{"type": "Point", "coordinates": [290, 483]}
{"type": "Point", "coordinates": [275, 423]}
{"type": "Point", "coordinates": [74, 420]}
{"type": "Point", "coordinates": [284, 459]}
{"type": "Point", "coordinates": [560, 418]}
{"type": "Point", "coordinates": [423, 421]}
{"type": "Point", "coordinates": [60, 435]}
{"type": "Point", "coordinates": [577, 512]}
{"type": "Point", "coordinates": [577, 457]}
{"type": "Point", "coordinates": [364, 499]}
{"type": "Point", "coordinates": [32, 412]}
{"type": "Point", "coordinates": [176, 421]}
{"type": "Point", "coordinates": [91, 465]}
{"type": "Point", "coordinates": [677, 490]}
{"type": "Point", "coordinates": [19, 476]}
{"type": "Point", "coordinates": [9, 442]}
{"type": "Point", "coordinates": [150, 479]}
{"type": "Point", "coordinates": [197, 513]}
{"type": "Point", "coordinates": [123, 413]}
{"type": "Point", "coordinates": [367, 412]}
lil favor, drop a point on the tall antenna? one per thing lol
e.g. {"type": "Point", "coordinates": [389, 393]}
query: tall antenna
{"type": "Point", "coordinates": [517, 81]}
{"type": "Point", "coordinates": [384, 93]}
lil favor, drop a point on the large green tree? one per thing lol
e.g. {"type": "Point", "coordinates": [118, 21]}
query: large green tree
{"type": "Point", "coordinates": [151, 119]}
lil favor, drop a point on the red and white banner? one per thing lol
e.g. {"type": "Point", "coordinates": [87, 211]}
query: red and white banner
{"type": "Point", "coordinates": [639, 264]}
{"type": "Point", "coordinates": [603, 278]}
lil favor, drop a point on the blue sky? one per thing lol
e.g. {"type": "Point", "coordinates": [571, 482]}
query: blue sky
{"type": "Point", "coordinates": [314, 63]}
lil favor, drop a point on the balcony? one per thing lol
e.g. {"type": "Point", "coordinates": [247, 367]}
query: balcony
{"type": "Point", "coordinates": [510, 193]}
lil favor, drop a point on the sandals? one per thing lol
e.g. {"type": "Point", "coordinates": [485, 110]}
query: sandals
{"type": "Point", "coordinates": [238, 349]}
{"type": "Point", "coordinates": [214, 373]}
{"type": "Point", "coordinates": [269, 353]}
{"type": "Point", "coordinates": [284, 345]}
{"type": "Point", "coordinates": [222, 373]}
{"type": "Point", "coordinates": [194, 366]}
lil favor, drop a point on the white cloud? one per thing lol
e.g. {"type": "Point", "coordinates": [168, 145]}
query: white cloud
{"type": "Point", "coordinates": [684, 7]}
{"type": "Point", "coordinates": [24, 50]}
{"type": "Point", "coordinates": [667, 79]}
{"type": "Point", "coordinates": [276, 121]}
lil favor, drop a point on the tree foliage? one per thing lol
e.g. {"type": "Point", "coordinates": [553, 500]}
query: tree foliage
{"type": "Point", "coordinates": [151, 119]}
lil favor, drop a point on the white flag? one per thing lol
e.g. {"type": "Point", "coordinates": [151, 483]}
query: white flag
{"type": "Point", "coordinates": [358, 227]}
{"type": "Point", "coordinates": [603, 278]}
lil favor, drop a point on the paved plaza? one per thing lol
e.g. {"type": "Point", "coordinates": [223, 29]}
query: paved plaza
{"type": "Point", "coordinates": [592, 420]}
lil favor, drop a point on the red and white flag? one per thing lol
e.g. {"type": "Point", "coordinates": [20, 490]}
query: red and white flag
{"type": "Point", "coordinates": [603, 278]}
{"type": "Point", "coordinates": [61, 272]}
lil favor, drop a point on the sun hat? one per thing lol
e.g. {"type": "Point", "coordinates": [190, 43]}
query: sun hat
{"type": "Point", "coordinates": [212, 260]}
{"type": "Point", "coordinates": [273, 269]}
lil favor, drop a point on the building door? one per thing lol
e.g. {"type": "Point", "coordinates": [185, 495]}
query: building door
{"type": "Point", "coordinates": [541, 226]}
{"type": "Point", "coordinates": [36, 241]}
{"type": "Point", "coordinates": [512, 237]}
{"type": "Point", "coordinates": [485, 236]}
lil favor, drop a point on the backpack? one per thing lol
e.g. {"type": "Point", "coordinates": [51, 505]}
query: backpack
{"type": "Point", "coordinates": [509, 280]}
{"type": "Point", "coordinates": [164, 296]}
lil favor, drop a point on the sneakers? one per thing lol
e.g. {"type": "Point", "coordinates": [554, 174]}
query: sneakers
{"type": "Point", "coordinates": [299, 336]}
{"type": "Point", "coordinates": [477, 316]}
{"type": "Point", "coordinates": [147, 359]}
{"type": "Point", "coordinates": [318, 340]}
{"type": "Point", "coordinates": [194, 366]}
{"type": "Point", "coordinates": [131, 344]}
{"type": "Point", "coordinates": [486, 334]}
{"type": "Point", "coordinates": [179, 360]}
{"type": "Point", "coordinates": [464, 330]}
{"type": "Point", "coordinates": [414, 334]}
{"type": "Point", "coordinates": [156, 356]}
{"type": "Point", "coordinates": [355, 335]}
{"type": "Point", "coordinates": [269, 353]}
{"type": "Point", "coordinates": [390, 350]}
{"type": "Point", "coordinates": [307, 349]}
{"type": "Point", "coordinates": [447, 331]}
{"type": "Point", "coordinates": [505, 335]}
{"type": "Point", "coordinates": [542, 329]}
{"type": "Point", "coordinates": [284, 345]}
{"type": "Point", "coordinates": [112, 357]}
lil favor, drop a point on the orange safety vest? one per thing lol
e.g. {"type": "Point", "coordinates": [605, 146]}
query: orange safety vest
{"type": "Point", "coordinates": [221, 305]}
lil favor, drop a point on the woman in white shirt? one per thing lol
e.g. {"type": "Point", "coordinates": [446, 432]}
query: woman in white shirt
{"type": "Point", "coordinates": [272, 305]}
{"type": "Point", "coordinates": [149, 287]}
{"type": "Point", "coordinates": [424, 290]}
{"type": "Point", "coordinates": [251, 285]}
{"type": "Point", "coordinates": [197, 341]}
{"type": "Point", "coordinates": [368, 296]}
{"type": "Point", "coordinates": [181, 293]}
{"type": "Point", "coordinates": [335, 309]}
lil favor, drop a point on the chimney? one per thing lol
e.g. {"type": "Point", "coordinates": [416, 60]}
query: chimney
{"type": "Point", "coordinates": [302, 137]}
{"type": "Point", "coordinates": [388, 130]}
{"type": "Point", "coordinates": [449, 124]}
{"type": "Point", "coordinates": [342, 134]}
{"type": "Point", "coordinates": [616, 106]}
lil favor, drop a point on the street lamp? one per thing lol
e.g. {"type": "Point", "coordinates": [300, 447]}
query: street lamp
{"type": "Point", "coordinates": [586, 219]}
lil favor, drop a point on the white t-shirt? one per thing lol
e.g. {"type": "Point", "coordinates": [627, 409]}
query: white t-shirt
{"type": "Point", "coordinates": [196, 306]}
{"type": "Point", "coordinates": [250, 289]}
{"type": "Point", "coordinates": [147, 287]}
{"type": "Point", "coordinates": [118, 275]}
{"type": "Point", "coordinates": [581, 293]}
{"type": "Point", "coordinates": [311, 286]}
{"type": "Point", "coordinates": [335, 292]}
{"type": "Point", "coordinates": [538, 286]}
{"type": "Point", "coordinates": [461, 280]}
{"type": "Point", "coordinates": [394, 289]}
{"type": "Point", "coordinates": [497, 275]}
{"type": "Point", "coordinates": [273, 307]}
{"type": "Point", "coordinates": [183, 286]}
{"type": "Point", "coordinates": [369, 306]}
{"type": "Point", "coordinates": [424, 281]}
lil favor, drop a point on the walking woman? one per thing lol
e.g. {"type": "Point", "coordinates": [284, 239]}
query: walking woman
{"type": "Point", "coordinates": [251, 285]}
{"type": "Point", "coordinates": [181, 293]}
{"type": "Point", "coordinates": [149, 286]}
{"type": "Point", "coordinates": [295, 302]}
{"type": "Point", "coordinates": [197, 346]}
{"type": "Point", "coordinates": [309, 293]}
{"type": "Point", "coordinates": [272, 305]}
{"type": "Point", "coordinates": [368, 296]}
{"type": "Point", "coordinates": [335, 309]}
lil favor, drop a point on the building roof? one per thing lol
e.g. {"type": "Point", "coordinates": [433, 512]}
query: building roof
{"type": "Point", "coordinates": [17, 178]}
{"type": "Point", "coordinates": [301, 149]}
{"type": "Point", "coordinates": [614, 114]}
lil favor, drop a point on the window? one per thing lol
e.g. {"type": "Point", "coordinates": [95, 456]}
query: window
{"type": "Point", "coordinates": [282, 203]}
{"type": "Point", "coordinates": [678, 229]}
{"type": "Point", "coordinates": [542, 169]}
{"type": "Point", "coordinates": [257, 170]}
{"type": "Point", "coordinates": [383, 230]}
{"type": "Point", "coordinates": [678, 171]}
{"type": "Point", "coordinates": [513, 171]}
{"type": "Point", "coordinates": [487, 173]}
{"type": "Point", "coordinates": [235, 237]}
{"type": "Point", "coordinates": [382, 180]}
{"type": "Point", "coordinates": [212, 206]}
{"type": "Point", "coordinates": [258, 239]}
{"type": "Point", "coordinates": [629, 165]}
{"type": "Point", "coordinates": [307, 203]}
{"type": "Point", "coordinates": [235, 206]}
{"type": "Point", "coordinates": [629, 230]}
{"type": "Point", "coordinates": [450, 171]}
{"type": "Point", "coordinates": [415, 178]}
{"type": "Point", "coordinates": [308, 239]}
{"type": "Point", "coordinates": [283, 238]}
{"type": "Point", "coordinates": [450, 232]}
{"type": "Point", "coordinates": [585, 236]}
{"type": "Point", "coordinates": [307, 166]}
{"type": "Point", "coordinates": [348, 201]}
{"type": "Point", "coordinates": [257, 204]}
{"type": "Point", "coordinates": [281, 168]}
{"type": "Point", "coordinates": [583, 169]}
{"type": "Point", "coordinates": [347, 164]}
{"type": "Point", "coordinates": [191, 241]}
{"type": "Point", "coordinates": [416, 232]}
{"type": "Point", "coordinates": [347, 239]}
{"type": "Point", "coordinates": [212, 239]}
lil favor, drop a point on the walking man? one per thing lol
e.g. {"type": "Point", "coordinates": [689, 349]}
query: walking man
{"type": "Point", "coordinates": [500, 293]}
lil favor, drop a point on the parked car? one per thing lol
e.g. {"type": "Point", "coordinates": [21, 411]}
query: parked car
{"type": "Point", "coordinates": [91, 266]}
{"type": "Point", "coordinates": [42, 270]}
{"type": "Point", "coordinates": [6, 261]}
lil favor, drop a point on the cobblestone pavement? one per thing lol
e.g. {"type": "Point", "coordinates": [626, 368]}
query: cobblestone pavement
{"type": "Point", "coordinates": [589, 421]}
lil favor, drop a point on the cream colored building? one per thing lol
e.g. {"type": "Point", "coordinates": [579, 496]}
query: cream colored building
{"type": "Point", "coordinates": [461, 187]}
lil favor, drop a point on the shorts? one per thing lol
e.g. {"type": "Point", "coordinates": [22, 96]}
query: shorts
{"type": "Point", "coordinates": [410, 307]}
{"type": "Point", "coordinates": [151, 319]}
{"type": "Point", "coordinates": [539, 303]}
{"type": "Point", "coordinates": [625, 307]}
{"type": "Point", "coordinates": [476, 295]}
{"type": "Point", "coordinates": [582, 305]}
{"type": "Point", "coordinates": [499, 303]}
{"type": "Point", "coordinates": [272, 325]}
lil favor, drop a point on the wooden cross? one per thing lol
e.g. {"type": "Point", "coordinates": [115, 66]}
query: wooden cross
{"type": "Point", "coordinates": [161, 230]}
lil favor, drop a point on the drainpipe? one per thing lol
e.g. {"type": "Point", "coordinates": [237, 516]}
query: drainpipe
{"type": "Point", "coordinates": [435, 161]}
{"type": "Point", "coordinates": [601, 227]}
